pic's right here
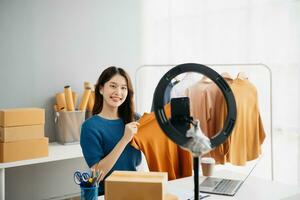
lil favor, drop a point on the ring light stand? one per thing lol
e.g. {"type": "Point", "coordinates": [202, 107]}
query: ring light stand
{"type": "Point", "coordinates": [180, 138]}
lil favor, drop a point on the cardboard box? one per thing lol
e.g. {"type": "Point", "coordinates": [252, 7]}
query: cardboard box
{"type": "Point", "coordinates": [10, 134]}
{"type": "Point", "coordinates": [22, 150]}
{"type": "Point", "coordinates": [169, 196]}
{"type": "Point", "coordinates": [127, 185]}
{"type": "Point", "coordinates": [21, 117]}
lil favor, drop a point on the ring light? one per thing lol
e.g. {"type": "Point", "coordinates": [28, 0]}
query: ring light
{"type": "Point", "coordinates": [181, 138]}
{"type": "Point", "coordinates": [165, 124]}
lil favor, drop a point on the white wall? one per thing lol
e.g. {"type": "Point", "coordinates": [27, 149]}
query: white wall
{"type": "Point", "coordinates": [48, 44]}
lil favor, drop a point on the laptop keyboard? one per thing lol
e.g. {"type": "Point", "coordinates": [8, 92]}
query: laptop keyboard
{"type": "Point", "coordinates": [226, 186]}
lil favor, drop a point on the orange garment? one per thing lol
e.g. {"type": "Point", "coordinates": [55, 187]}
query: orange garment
{"type": "Point", "coordinates": [201, 104]}
{"type": "Point", "coordinates": [248, 133]}
{"type": "Point", "coordinates": [206, 101]}
{"type": "Point", "coordinates": [161, 153]}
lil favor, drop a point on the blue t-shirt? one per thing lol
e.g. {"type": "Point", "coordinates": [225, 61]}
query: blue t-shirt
{"type": "Point", "coordinates": [98, 138]}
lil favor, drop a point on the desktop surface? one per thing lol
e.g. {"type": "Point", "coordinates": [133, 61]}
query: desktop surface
{"type": "Point", "coordinates": [253, 188]}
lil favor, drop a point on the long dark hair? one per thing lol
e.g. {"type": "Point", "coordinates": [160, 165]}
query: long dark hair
{"type": "Point", "coordinates": [126, 110]}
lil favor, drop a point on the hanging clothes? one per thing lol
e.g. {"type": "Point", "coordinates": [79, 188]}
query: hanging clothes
{"type": "Point", "coordinates": [208, 105]}
{"type": "Point", "coordinates": [248, 133]}
{"type": "Point", "coordinates": [161, 153]}
{"type": "Point", "coordinates": [206, 100]}
{"type": "Point", "coordinates": [188, 80]}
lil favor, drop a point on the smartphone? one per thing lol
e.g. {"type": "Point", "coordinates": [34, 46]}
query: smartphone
{"type": "Point", "coordinates": [180, 114]}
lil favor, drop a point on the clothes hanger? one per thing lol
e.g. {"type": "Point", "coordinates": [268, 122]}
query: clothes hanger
{"type": "Point", "coordinates": [226, 75]}
{"type": "Point", "coordinates": [242, 76]}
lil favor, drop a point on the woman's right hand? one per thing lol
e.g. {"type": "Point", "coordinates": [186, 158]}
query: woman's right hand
{"type": "Point", "coordinates": [130, 129]}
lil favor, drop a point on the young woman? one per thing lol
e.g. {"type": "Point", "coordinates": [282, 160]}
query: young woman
{"type": "Point", "coordinates": [105, 136]}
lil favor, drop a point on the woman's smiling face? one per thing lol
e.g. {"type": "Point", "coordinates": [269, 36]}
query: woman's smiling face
{"type": "Point", "coordinates": [114, 91]}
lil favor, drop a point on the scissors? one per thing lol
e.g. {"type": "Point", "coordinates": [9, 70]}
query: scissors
{"type": "Point", "coordinates": [81, 177]}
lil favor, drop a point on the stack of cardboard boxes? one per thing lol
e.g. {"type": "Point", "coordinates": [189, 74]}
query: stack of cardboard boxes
{"type": "Point", "coordinates": [22, 134]}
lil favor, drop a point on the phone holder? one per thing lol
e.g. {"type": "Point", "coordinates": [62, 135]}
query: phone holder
{"type": "Point", "coordinates": [181, 138]}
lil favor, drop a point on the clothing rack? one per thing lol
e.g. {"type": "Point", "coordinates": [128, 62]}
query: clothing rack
{"type": "Point", "coordinates": [163, 68]}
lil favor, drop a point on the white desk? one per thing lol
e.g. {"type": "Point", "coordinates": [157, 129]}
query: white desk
{"type": "Point", "coordinates": [57, 152]}
{"type": "Point", "coordinates": [253, 188]}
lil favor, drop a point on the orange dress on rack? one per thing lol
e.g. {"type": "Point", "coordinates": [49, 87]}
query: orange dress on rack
{"type": "Point", "coordinates": [248, 133]}
{"type": "Point", "coordinates": [206, 101]}
{"type": "Point", "coordinates": [161, 153]}
{"type": "Point", "coordinates": [209, 106]}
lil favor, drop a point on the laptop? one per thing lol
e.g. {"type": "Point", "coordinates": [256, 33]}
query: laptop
{"type": "Point", "coordinates": [220, 186]}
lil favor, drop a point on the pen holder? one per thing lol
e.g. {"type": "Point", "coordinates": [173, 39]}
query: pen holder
{"type": "Point", "coordinates": [68, 126]}
{"type": "Point", "coordinates": [89, 193]}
